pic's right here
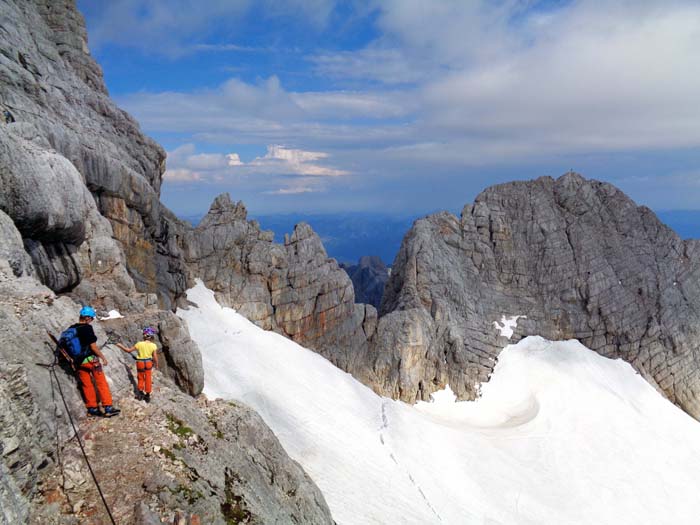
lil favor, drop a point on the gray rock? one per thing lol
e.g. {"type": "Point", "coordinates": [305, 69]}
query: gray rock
{"type": "Point", "coordinates": [145, 516]}
{"type": "Point", "coordinates": [293, 289]}
{"type": "Point", "coordinates": [42, 191]}
{"type": "Point", "coordinates": [80, 197]}
{"type": "Point", "coordinates": [237, 461]}
{"type": "Point", "coordinates": [69, 135]}
{"type": "Point", "coordinates": [240, 468]}
{"type": "Point", "coordinates": [576, 256]}
{"type": "Point", "coordinates": [12, 248]}
{"type": "Point", "coordinates": [183, 361]}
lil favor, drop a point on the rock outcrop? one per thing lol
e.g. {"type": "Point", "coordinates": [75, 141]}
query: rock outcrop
{"type": "Point", "coordinates": [205, 462]}
{"type": "Point", "coordinates": [293, 288]}
{"type": "Point", "coordinates": [577, 257]}
{"type": "Point", "coordinates": [368, 276]}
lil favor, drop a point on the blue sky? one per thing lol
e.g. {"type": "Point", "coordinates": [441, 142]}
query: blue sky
{"type": "Point", "coordinates": [406, 106]}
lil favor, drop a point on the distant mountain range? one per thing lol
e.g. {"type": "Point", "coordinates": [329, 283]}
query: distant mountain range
{"type": "Point", "coordinates": [349, 236]}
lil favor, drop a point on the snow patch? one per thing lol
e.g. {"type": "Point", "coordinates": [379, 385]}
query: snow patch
{"type": "Point", "coordinates": [113, 314]}
{"type": "Point", "coordinates": [559, 435]}
{"type": "Point", "coordinates": [508, 325]}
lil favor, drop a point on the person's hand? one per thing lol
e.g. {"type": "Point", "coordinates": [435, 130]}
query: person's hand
{"type": "Point", "coordinates": [103, 361]}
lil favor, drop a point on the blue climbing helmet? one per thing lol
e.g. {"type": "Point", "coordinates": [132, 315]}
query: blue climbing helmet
{"type": "Point", "coordinates": [149, 332]}
{"type": "Point", "coordinates": [87, 311]}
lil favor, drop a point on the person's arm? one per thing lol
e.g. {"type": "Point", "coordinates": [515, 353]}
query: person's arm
{"type": "Point", "coordinates": [155, 358]}
{"type": "Point", "coordinates": [125, 349]}
{"type": "Point", "coordinates": [95, 350]}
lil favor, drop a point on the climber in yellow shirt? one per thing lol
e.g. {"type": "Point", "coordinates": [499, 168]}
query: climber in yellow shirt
{"type": "Point", "coordinates": [146, 357]}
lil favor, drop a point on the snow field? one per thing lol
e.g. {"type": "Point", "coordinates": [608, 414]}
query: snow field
{"type": "Point", "coordinates": [559, 435]}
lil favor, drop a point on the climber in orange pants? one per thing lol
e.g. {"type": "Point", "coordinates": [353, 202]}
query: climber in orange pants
{"type": "Point", "coordinates": [79, 344]}
{"type": "Point", "coordinates": [146, 358]}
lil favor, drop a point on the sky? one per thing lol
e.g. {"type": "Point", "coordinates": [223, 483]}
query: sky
{"type": "Point", "coordinates": [560, 434]}
{"type": "Point", "coordinates": [406, 106]}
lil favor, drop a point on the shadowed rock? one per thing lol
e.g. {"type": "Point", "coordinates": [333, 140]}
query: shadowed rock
{"type": "Point", "coordinates": [368, 277]}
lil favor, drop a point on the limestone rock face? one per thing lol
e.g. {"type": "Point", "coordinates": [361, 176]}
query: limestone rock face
{"type": "Point", "coordinates": [80, 182]}
{"type": "Point", "coordinates": [12, 247]}
{"type": "Point", "coordinates": [80, 212]}
{"type": "Point", "coordinates": [369, 276]}
{"type": "Point", "coordinates": [576, 256]}
{"type": "Point", "coordinates": [67, 136]}
{"type": "Point", "coordinates": [294, 288]}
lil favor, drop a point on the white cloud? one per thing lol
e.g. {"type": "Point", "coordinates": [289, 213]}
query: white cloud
{"type": "Point", "coordinates": [577, 79]}
{"type": "Point", "coordinates": [388, 66]}
{"type": "Point", "coordinates": [185, 156]}
{"type": "Point", "coordinates": [283, 161]}
{"type": "Point", "coordinates": [351, 105]}
{"type": "Point", "coordinates": [281, 171]}
{"type": "Point", "coordinates": [234, 159]}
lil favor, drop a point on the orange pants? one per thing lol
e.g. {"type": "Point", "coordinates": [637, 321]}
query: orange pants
{"type": "Point", "coordinates": [89, 372]}
{"type": "Point", "coordinates": [143, 369]}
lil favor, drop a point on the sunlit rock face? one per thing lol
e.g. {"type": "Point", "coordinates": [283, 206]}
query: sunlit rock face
{"type": "Point", "coordinates": [577, 257]}
{"type": "Point", "coordinates": [292, 287]}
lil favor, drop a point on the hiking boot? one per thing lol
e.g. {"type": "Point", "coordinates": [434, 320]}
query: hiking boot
{"type": "Point", "coordinates": [94, 411]}
{"type": "Point", "coordinates": [111, 411]}
{"type": "Point", "coordinates": [140, 395]}
{"type": "Point", "coordinates": [147, 397]}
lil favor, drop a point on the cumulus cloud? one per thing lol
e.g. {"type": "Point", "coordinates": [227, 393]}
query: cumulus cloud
{"type": "Point", "coordinates": [285, 161]}
{"type": "Point", "coordinates": [281, 171]}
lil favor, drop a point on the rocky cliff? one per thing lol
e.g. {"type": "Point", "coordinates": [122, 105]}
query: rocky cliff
{"type": "Point", "coordinates": [576, 257]}
{"type": "Point", "coordinates": [207, 461]}
{"type": "Point", "coordinates": [81, 222]}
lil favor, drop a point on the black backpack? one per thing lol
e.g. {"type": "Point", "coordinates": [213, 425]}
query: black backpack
{"type": "Point", "coordinates": [70, 344]}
